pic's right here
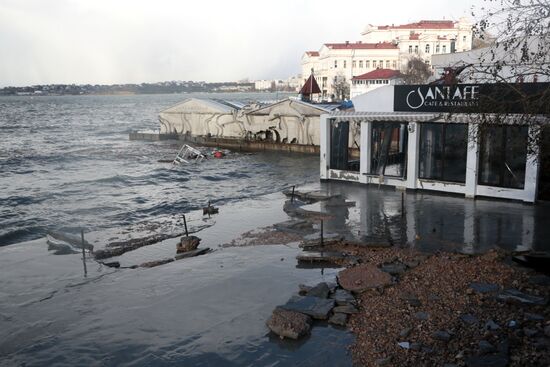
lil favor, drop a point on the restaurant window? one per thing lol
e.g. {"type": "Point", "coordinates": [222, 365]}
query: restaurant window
{"type": "Point", "coordinates": [502, 156]}
{"type": "Point", "coordinates": [339, 143]}
{"type": "Point", "coordinates": [389, 149]}
{"type": "Point", "coordinates": [443, 151]}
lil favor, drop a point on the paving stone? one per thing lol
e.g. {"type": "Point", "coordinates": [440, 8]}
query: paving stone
{"type": "Point", "coordinates": [484, 287]}
{"type": "Point", "coordinates": [533, 316]}
{"type": "Point", "coordinates": [491, 325]}
{"type": "Point", "coordinates": [349, 309]}
{"type": "Point", "coordinates": [321, 290]}
{"type": "Point", "coordinates": [421, 316]}
{"type": "Point", "coordinates": [343, 297]}
{"type": "Point", "coordinates": [340, 319]}
{"type": "Point", "coordinates": [394, 268]}
{"type": "Point", "coordinates": [524, 298]}
{"type": "Point", "coordinates": [315, 307]}
{"type": "Point", "coordinates": [441, 335]}
{"type": "Point", "coordinates": [469, 319]}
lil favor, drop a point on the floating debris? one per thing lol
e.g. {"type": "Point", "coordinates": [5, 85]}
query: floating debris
{"type": "Point", "coordinates": [209, 210]}
{"type": "Point", "coordinates": [188, 154]}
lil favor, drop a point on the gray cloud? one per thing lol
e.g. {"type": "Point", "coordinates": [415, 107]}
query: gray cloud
{"type": "Point", "coordinates": [124, 41]}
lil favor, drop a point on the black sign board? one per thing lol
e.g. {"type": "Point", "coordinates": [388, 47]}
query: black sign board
{"type": "Point", "coordinates": [473, 98]}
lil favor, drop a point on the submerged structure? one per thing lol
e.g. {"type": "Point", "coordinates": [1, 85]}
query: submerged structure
{"type": "Point", "coordinates": [468, 139]}
{"type": "Point", "coordinates": [290, 121]}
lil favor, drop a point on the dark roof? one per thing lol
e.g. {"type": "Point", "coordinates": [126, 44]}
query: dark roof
{"type": "Point", "coordinates": [310, 86]}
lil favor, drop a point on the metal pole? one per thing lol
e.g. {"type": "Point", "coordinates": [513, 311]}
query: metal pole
{"type": "Point", "coordinates": [185, 224]}
{"type": "Point", "coordinates": [321, 232]}
{"type": "Point", "coordinates": [292, 196]}
{"type": "Point", "coordinates": [402, 204]}
{"type": "Point", "coordinates": [84, 253]}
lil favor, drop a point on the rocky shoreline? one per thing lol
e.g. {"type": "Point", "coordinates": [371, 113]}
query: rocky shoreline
{"type": "Point", "coordinates": [448, 309]}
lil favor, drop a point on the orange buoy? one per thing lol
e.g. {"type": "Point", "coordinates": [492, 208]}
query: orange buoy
{"type": "Point", "coordinates": [218, 154]}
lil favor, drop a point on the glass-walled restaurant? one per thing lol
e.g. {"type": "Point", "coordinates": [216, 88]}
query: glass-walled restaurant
{"type": "Point", "coordinates": [420, 151]}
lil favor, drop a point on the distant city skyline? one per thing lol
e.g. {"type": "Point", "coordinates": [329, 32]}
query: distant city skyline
{"type": "Point", "coordinates": [118, 42]}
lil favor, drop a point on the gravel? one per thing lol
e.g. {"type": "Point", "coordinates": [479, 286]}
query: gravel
{"type": "Point", "coordinates": [441, 282]}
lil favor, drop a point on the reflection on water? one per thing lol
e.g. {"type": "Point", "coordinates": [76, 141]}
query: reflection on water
{"type": "Point", "coordinates": [430, 221]}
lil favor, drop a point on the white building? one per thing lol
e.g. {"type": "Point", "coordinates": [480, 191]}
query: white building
{"type": "Point", "coordinates": [263, 84]}
{"type": "Point", "coordinates": [434, 149]}
{"type": "Point", "coordinates": [340, 62]}
{"type": "Point", "coordinates": [388, 47]}
{"type": "Point", "coordinates": [424, 38]}
{"type": "Point", "coordinates": [374, 79]}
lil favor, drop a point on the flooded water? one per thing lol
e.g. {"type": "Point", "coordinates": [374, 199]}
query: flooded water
{"type": "Point", "coordinates": [205, 311]}
{"type": "Point", "coordinates": [432, 222]}
{"type": "Point", "coordinates": [66, 162]}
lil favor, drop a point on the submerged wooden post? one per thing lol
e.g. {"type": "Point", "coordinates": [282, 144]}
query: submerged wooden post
{"type": "Point", "coordinates": [84, 253]}
{"type": "Point", "coordinates": [402, 204]}
{"type": "Point", "coordinates": [292, 196]}
{"type": "Point", "coordinates": [185, 224]}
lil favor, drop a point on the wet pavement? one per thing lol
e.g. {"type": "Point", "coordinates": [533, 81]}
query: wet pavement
{"type": "Point", "coordinates": [430, 222]}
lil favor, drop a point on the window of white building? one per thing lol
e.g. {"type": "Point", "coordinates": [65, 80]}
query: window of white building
{"type": "Point", "coordinates": [387, 64]}
{"type": "Point", "coordinates": [335, 64]}
{"type": "Point", "coordinates": [381, 64]}
{"type": "Point", "coordinates": [389, 149]}
{"type": "Point", "coordinates": [444, 49]}
{"type": "Point", "coordinates": [410, 49]}
{"type": "Point", "coordinates": [502, 156]}
{"type": "Point", "coordinates": [437, 48]}
{"type": "Point", "coordinates": [443, 150]}
{"type": "Point", "coordinates": [360, 64]}
{"type": "Point", "coordinates": [416, 49]}
{"type": "Point", "coordinates": [427, 49]}
{"type": "Point", "coordinates": [344, 64]}
{"type": "Point", "coordinates": [394, 65]}
{"type": "Point", "coordinates": [353, 64]}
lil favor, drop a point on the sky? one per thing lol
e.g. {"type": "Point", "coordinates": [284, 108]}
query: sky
{"type": "Point", "coordinates": [134, 41]}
